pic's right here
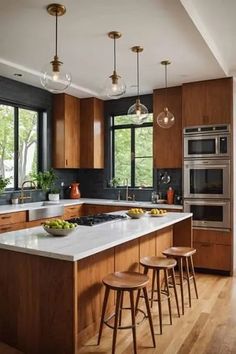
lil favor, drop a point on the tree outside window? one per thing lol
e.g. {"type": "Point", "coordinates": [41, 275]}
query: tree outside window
{"type": "Point", "coordinates": [132, 156]}
{"type": "Point", "coordinates": [18, 143]}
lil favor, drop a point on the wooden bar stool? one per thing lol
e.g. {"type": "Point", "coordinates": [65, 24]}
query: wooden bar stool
{"type": "Point", "coordinates": [125, 282]}
{"type": "Point", "coordinates": [183, 255]}
{"type": "Point", "coordinates": [158, 264]}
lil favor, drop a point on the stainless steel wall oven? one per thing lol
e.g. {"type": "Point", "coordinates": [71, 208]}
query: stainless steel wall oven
{"type": "Point", "coordinates": [207, 175]}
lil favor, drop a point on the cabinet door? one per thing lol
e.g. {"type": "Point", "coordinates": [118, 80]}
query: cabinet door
{"type": "Point", "coordinates": [219, 101]}
{"type": "Point", "coordinates": [72, 211]}
{"type": "Point", "coordinates": [92, 133]}
{"type": "Point", "coordinates": [208, 102]}
{"type": "Point", "coordinates": [12, 218]}
{"type": "Point", "coordinates": [66, 131]}
{"type": "Point", "coordinates": [212, 256]}
{"type": "Point", "coordinates": [167, 143]}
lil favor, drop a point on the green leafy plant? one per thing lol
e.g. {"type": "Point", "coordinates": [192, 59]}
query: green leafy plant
{"type": "Point", "coordinates": [3, 183]}
{"type": "Point", "coordinates": [115, 182]}
{"type": "Point", "coordinates": [54, 190]}
{"type": "Point", "coordinates": [45, 180]}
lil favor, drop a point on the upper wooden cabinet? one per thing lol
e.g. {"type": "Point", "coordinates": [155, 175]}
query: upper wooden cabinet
{"type": "Point", "coordinates": [167, 143]}
{"type": "Point", "coordinates": [92, 133]}
{"type": "Point", "coordinates": [66, 131]}
{"type": "Point", "coordinates": [208, 102]}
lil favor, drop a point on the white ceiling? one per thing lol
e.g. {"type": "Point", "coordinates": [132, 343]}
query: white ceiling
{"type": "Point", "coordinates": [196, 35]}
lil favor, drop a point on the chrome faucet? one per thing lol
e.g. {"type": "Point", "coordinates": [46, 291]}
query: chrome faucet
{"type": "Point", "coordinates": [22, 196]}
{"type": "Point", "coordinates": [127, 189]}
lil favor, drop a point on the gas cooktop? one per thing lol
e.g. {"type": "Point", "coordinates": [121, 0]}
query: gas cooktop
{"type": "Point", "coordinates": [97, 219]}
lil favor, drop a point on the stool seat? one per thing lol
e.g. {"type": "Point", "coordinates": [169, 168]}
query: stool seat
{"type": "Point", "coordinates": [126, 280]}
{"type": "Point", "coordinates": [158, 262]}
{"type": "Point", "coordinates": [179, 251]}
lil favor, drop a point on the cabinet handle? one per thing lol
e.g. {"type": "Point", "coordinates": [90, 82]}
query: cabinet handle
{"type": "Point", "coordinates": [5, 229]}
{"type": "Point", "coordinates": [206, 244]}
{"type": "Point", "coordinates": [5, 217]}
{"type": "Point", "coordinates": [66, 162]}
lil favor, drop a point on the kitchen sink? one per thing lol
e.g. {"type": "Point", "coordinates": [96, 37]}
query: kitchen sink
{"type": "Point", "coordinates": [43, 210]}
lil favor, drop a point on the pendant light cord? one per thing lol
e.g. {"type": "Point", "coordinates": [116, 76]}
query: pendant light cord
{"type": "Point", "coordinates": [114, 54]}
{"type": "Point", "coordinates": [138, 93]}
{"type": "Point", "coordinates": [56, 31]}
{"type": "Point", "coordinates": [166, 83]}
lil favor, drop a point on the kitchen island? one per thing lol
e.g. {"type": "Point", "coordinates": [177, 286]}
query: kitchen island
{"type": "Point", "coordinates": [51, 288]}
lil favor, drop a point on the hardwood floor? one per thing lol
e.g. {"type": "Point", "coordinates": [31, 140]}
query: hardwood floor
{"type": "Point", "coordinates": [209, 327]}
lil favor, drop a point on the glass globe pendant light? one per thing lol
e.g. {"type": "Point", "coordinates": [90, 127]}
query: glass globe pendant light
{"type": "Point", "coordinates": [54, 78]}
{"type": "Point", "coordinates": [165, 119]}
{"type": "Point", "coordinates": [138, 112]}
{"type": "Point", "coordinates": [115, 86]}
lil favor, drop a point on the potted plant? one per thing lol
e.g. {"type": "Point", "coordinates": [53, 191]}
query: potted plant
{"type": "Point", "coordinates": [54, 194]}
{"type": "Point", "coordinates": [46, 181]}
{"type": "Point", "coordinates": [3, 183]}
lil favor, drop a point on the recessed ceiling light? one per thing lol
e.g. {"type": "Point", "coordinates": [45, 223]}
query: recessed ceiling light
{"type": "Point", "coordinates": [17, 74]}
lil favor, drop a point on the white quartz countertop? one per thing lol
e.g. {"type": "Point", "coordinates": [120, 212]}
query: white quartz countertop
{"type": "Point", "coordinates": [69, 202]}
{"type": "Point", "coordinates": [86, 240]}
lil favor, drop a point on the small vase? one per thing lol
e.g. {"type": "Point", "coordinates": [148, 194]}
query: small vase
{"type": "Point", "coordinates": [74, 191]}
{"type": "Point", "coordinates": [54, 197]}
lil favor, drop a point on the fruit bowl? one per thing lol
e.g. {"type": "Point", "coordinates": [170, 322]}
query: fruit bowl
{"type": "Point", "coordinates": [135, 213]}
{"type": "Point", "coordinates": [59, 227]}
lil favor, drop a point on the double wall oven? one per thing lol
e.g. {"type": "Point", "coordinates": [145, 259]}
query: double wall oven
{"type": "Point", "coordinates": [207, 175]}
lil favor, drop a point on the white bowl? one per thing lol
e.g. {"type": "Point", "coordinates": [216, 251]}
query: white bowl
{"type": "Point", "coordinates": [59, 232]}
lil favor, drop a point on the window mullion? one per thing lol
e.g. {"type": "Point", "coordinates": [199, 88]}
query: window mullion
{"type": "Point", "coordinates": [16, 146]}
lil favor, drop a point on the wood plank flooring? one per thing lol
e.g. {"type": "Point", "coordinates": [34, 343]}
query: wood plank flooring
{"type": "Point", "coordinates": [208, 327]}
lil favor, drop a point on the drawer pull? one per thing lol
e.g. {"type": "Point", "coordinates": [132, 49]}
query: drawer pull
{"type": "Point", "coordinates": [5, 229]}
{"type": "Point", "coordinates": [206, 244]}
{"type": "Point", "coordinates": [6, 217]}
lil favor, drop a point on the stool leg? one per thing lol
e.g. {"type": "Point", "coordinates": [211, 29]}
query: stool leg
{"type": "Point", "coordinates": [193, 273]}
{"type": "Point", "coordinates": [137, 301]}
{"type": "Point", "coordinates": [159, 299]}
{"type": "Point", "coordinates": [188, 281]}
{"type": "Point", "coordinates": [118, 299]}
{"type": "Point", "coordinates": [175, 291]}
{"type": "Point", "coordinates": [168, 294]}
{"type": "Point", "coordinates": [131, 294]}
{"type": "Point", "coordinates": [153, 286]}
{"type": "Point", "coordinates": [121, 307]}
{"type": "Point", "coordinates": [149, 316]}
{"type": "Point", "coordinates": [104, 306]}
{"type": "Point", "coordinates": [181, 283]}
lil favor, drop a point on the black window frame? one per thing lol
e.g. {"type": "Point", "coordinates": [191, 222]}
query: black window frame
{"type": "Point", "coordinates": [133, 128]}
{"type": "Point", "coordinates": [42, 116]}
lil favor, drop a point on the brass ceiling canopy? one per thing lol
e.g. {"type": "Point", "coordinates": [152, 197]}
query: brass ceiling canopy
{"type": "Point", "coordinates": [165, 62]}
{"type": "Point", "coordinates": [56, 9]}
{"type": "Point", "coordinates": [114, 35]}
{"type": "Point", "coordinates": [137, 49]}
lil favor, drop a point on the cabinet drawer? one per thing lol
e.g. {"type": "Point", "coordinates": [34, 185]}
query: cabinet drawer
{"type": "Point", "coordinates": [72, 212]}
{"type": "Point", "coordinates": [12, 218]}
{"type": "Point", "coordinates": [212, 256]}
{"type": "Point", "coordinates": [12, 227]}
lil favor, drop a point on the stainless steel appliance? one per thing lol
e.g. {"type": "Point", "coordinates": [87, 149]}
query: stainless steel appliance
{"type": "Point", "coordinates": [208, 141]}
{"type": "Point", "coordinates": [207, 175]}
{"type": "Point", "coordinates": [97, 219]}
{"type": "Point", "coordinates": [209, 213]}
{"type": "Point", "coordinates": [207, 178]}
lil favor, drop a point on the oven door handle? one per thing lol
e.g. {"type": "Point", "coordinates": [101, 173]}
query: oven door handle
{"type": "Point", "coordinates": [204, 203]}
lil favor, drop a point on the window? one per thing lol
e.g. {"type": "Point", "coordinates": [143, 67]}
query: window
{"type": "Point", "coordinates": [132, 151]}
{"type": "Point", "coordinates": [18, 143]}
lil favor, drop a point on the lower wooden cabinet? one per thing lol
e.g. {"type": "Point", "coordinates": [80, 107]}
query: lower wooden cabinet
{"type": "Point", "coordinates": [12, 221]}
{"type": "Point", "coordinates": [73, 211]}
{"type": "Point", "coordinates": [213, 250]}
{"type": "Point", "coordinates": [90, 209]}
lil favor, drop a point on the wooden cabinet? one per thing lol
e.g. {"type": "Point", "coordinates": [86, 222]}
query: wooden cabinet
{"type": "Point", "coordinates": [207, 102]}
{"type": "Point", "coordinates": [90, 209]}
{"type": "Point", "coordinates": [66, 131]}
{"type": "Point", "coordinates": [213, 250]}
{"type": "Point", "coordinates": [92, 133]}
{"type": "Point", "coordinates": [12, 221]}
{"type": "Point", "coordinates": [73, 211]}
{"type": "Point", "coordinates": [167, 143]}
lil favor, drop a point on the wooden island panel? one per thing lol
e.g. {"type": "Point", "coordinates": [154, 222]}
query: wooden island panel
{"type": "Point", "coordinates": [90, 272]}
